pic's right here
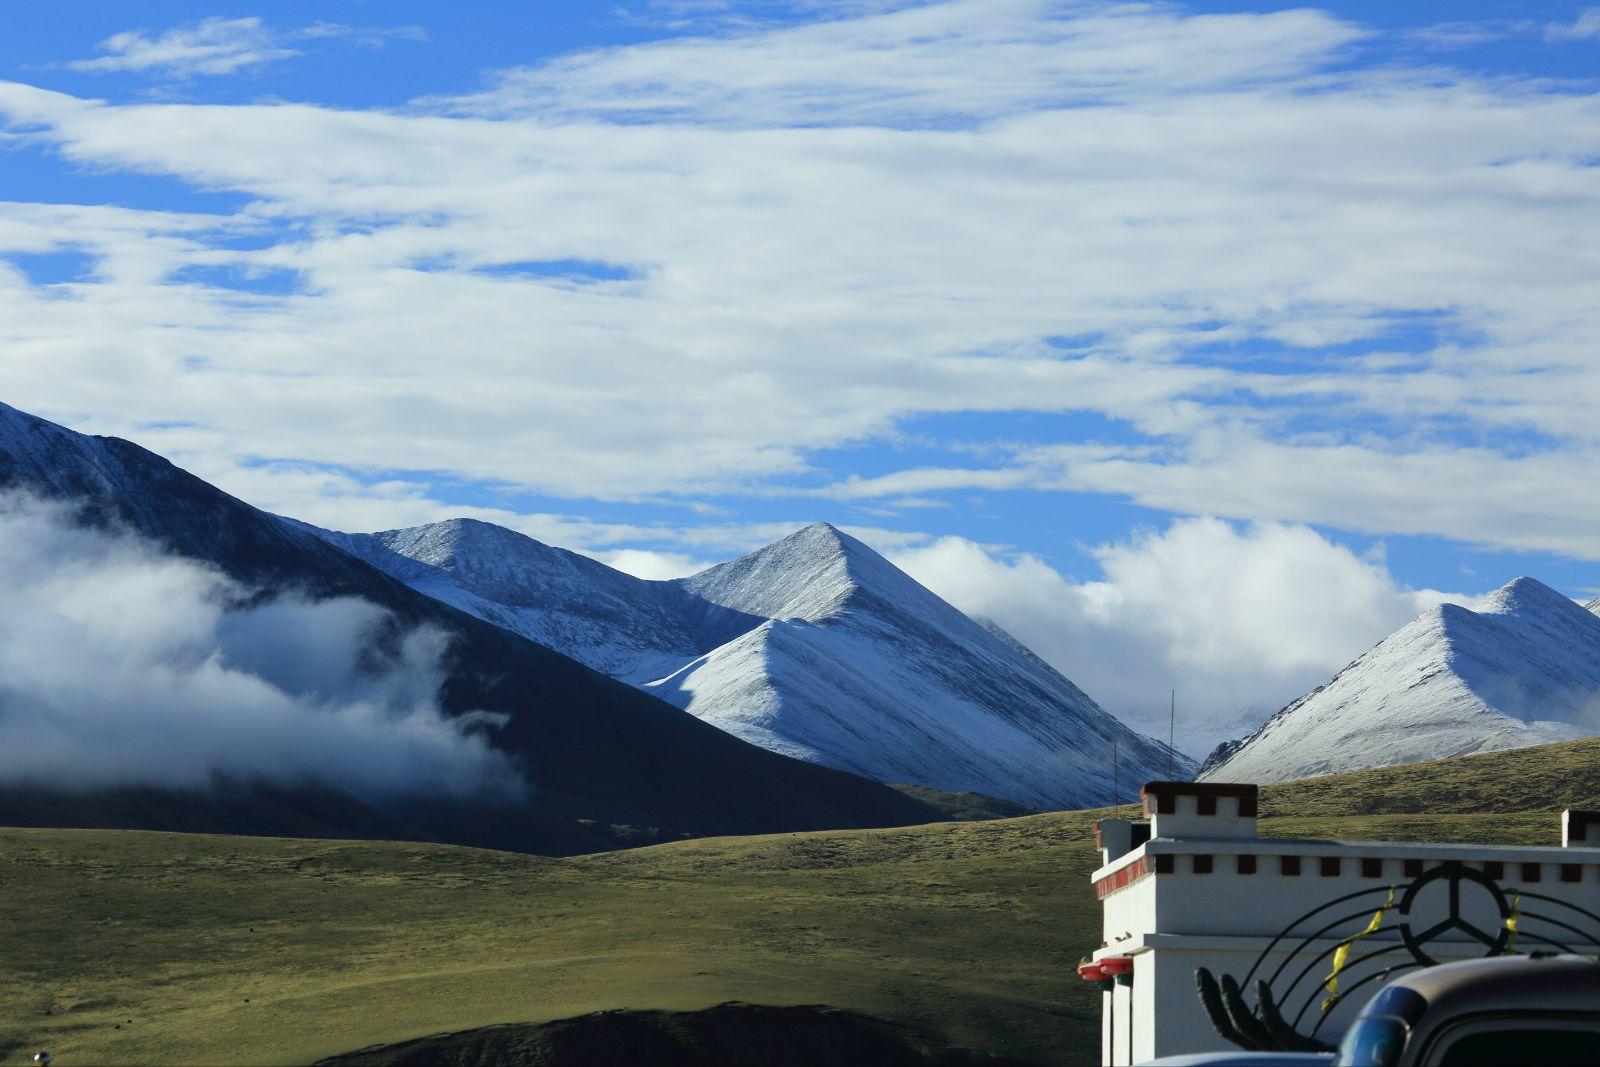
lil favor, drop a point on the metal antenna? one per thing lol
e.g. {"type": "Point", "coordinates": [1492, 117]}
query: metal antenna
{"type": "Point", "coordinates": [1172, 726]}
{"type": "Point", "coordinates": [1116, 772]}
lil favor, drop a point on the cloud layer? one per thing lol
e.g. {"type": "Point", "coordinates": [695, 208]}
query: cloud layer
{"type": "Point", "coordinates": [1241, 264]}
{"type": "Point", "coordinates": [122, 666]}
{"type": "Point", "coordinates": [1238, 620]}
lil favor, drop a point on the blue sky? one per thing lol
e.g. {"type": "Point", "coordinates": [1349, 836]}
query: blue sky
{"type": "Point", "coordinates": [1074, 299]}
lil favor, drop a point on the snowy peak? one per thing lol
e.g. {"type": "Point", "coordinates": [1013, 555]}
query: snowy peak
{"type": "Point", "coordinates": [814, 646]}
{"type": "Point", "coordinates": [629, 628]}
{"type": "Point", "coordinates": [448, 544]}
{"type": "Point", "coordinates": [1520, 667]}
{"type": "Point", "coordinates": [1530, 599]}
{"type": "Point", "coordinates": [598, 753]}
{"type": "Point", "coordinates": [819, 573]}
{"type": "Point", "coordinates": [866, 670]}
{"type": "Point", "coordinates": [493, 561]}
{"type": "Point", "coordinates": [810, 574]}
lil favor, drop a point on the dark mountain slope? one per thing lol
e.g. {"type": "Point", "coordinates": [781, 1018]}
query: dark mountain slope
{"type": "Point", "coordinates": [594, 749]}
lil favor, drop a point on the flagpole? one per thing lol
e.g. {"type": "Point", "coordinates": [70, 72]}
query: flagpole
{"type": "Point", "coordinates": [1172, 727]}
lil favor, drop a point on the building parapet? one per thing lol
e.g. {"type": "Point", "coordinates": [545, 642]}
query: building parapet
{"type": "Point", "coordinates": [1194, 890]}
{"type": "Point", "coordinates": [1200, 809]}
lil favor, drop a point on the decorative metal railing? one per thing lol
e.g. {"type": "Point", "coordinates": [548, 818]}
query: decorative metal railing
{"type": "Point", "coordinates": [1263, 1026]}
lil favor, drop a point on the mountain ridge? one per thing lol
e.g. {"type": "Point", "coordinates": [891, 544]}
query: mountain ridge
{"type": "Point", "coordinates": [598, 752]}
{"type": "Point", "coordinates": [1520, 667]}
{"type": "Point", "coordinates": [817, 647]}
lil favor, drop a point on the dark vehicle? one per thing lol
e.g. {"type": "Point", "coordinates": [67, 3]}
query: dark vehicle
{"type": "Point", "coordinates": [1541, 1009]}
{"type": "Point", "coordinates": [1502, 1010]}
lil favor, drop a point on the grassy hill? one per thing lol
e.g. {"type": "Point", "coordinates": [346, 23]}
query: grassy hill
{"type": "Point", "coordinates": [127, 946]}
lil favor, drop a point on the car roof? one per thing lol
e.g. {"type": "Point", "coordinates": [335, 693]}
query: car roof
{"type": "Point", "coordinates": [1509, 983]}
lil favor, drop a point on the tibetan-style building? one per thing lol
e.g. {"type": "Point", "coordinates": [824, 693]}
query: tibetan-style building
{"type": "Point", "coordinates": [1293, 936]}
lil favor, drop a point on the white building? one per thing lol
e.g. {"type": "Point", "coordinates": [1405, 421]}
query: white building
{"type": "Point", "coordinates": [1191, 886]}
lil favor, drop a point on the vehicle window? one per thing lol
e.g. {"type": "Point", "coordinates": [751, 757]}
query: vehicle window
{"type": "Point", "coordinates": [1399, 1001]}
{"type": "Point", "coordinates": [1375, 1041]}
{"type": "Point", "coordinates": [1524, 1045]}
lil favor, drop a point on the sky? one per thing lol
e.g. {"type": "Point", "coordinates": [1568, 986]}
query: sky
{"type": "Point", "coordinates": [1201, 345]}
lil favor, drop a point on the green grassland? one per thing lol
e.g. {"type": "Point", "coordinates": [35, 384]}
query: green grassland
{"type": "Point", "coordinates": [134, 947]}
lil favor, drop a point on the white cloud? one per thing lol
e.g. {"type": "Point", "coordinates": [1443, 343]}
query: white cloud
{"type": "Point", "coordinates": [1238, 620]}
{"type": "Point", "coordinates": [119, 665]}
{"type": "Point", "coordinates": [216, 46]}
{"type": "Point", "coordinates": [1474, 495]}
{"type": "Point", "coordinates": [1585, 27]}
{"type": "Point", "coordinates": [914, 64]}
{"type": "Point", "coordinates": [817, 233]}
{"type": "Point", "coordinates": [655, 566]}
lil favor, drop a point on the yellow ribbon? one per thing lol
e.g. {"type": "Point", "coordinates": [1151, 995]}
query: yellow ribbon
{"type": "Point", "coordinates": [1342, 953]}
{"type": "Point", "coordinates": [1511, 920]}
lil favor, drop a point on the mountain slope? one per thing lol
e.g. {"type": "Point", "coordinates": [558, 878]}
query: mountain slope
{"type": "Point", "coordinates": [863, 669]}
{"type": "Point", "coordinates": [815, 647]}
{"type": "Point", "coordinates": [620, 625]}
{"type": "Point", "coordinates": [596, 752]}
{"type": "Point", "coordinates": [1521, 667]}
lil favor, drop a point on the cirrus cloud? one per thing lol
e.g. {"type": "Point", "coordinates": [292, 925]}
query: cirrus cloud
{"type": "Point", "coordinates": [216, 46]}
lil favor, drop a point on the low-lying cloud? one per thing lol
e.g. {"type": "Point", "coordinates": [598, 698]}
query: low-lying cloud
{"type": "Point", "coordinates": [121, 665]}
{"type": "Point", "coordinates": [1239, 620]}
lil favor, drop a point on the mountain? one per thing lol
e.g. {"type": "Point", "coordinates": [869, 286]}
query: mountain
{"type": "Point", "coordinates": [618, 624]}
{"type": "Point", "coordinates": [606, 761]}
{"type": "Point", "coordinates": [815, 647]}
{"type": "Point", "coordinates": [1521, 667]}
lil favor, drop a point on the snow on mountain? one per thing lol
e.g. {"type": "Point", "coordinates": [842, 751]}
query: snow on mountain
{"type": "Point", "coordinates": [1520, 667]}
{"type": "Point", "coordinates": [608, 764]}
{"type": "Point", "coordinates": [620, 625]}
{"type": "Point", "coordinates": [864, 669]}
{"type": "Point", "coordinates": [44, 458]}
{"type": "Point", "coordinates": [814, 647]}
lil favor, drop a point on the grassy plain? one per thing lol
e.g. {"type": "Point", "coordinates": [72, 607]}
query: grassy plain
{"type": "Point", "coordinates": [135, 947]}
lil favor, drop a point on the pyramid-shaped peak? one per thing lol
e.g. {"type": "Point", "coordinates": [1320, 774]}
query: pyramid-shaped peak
{"type": "Point", "coordinates": [823, 543]}
{"type": "Point", "coordinates": [1525, 595]}
{"type": "Point", "coordinates": [819, 533]}
{"type": "Point", "coordinates": [822, 537]}
{"type": "Point", "coordinates": [1518, 667]}
{"type": "Point", "coordinates": [809, 574]}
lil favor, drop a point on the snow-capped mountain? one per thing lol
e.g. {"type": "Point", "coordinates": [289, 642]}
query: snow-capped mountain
{"type": "Point", "coordinates": [816, 647]}
{"type": "Point", "coordinates": [605, 762]}
{"type": "Point", "coordinates": [631, 629]}
{"type": "Point", "coordinates": [1520, 667]}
